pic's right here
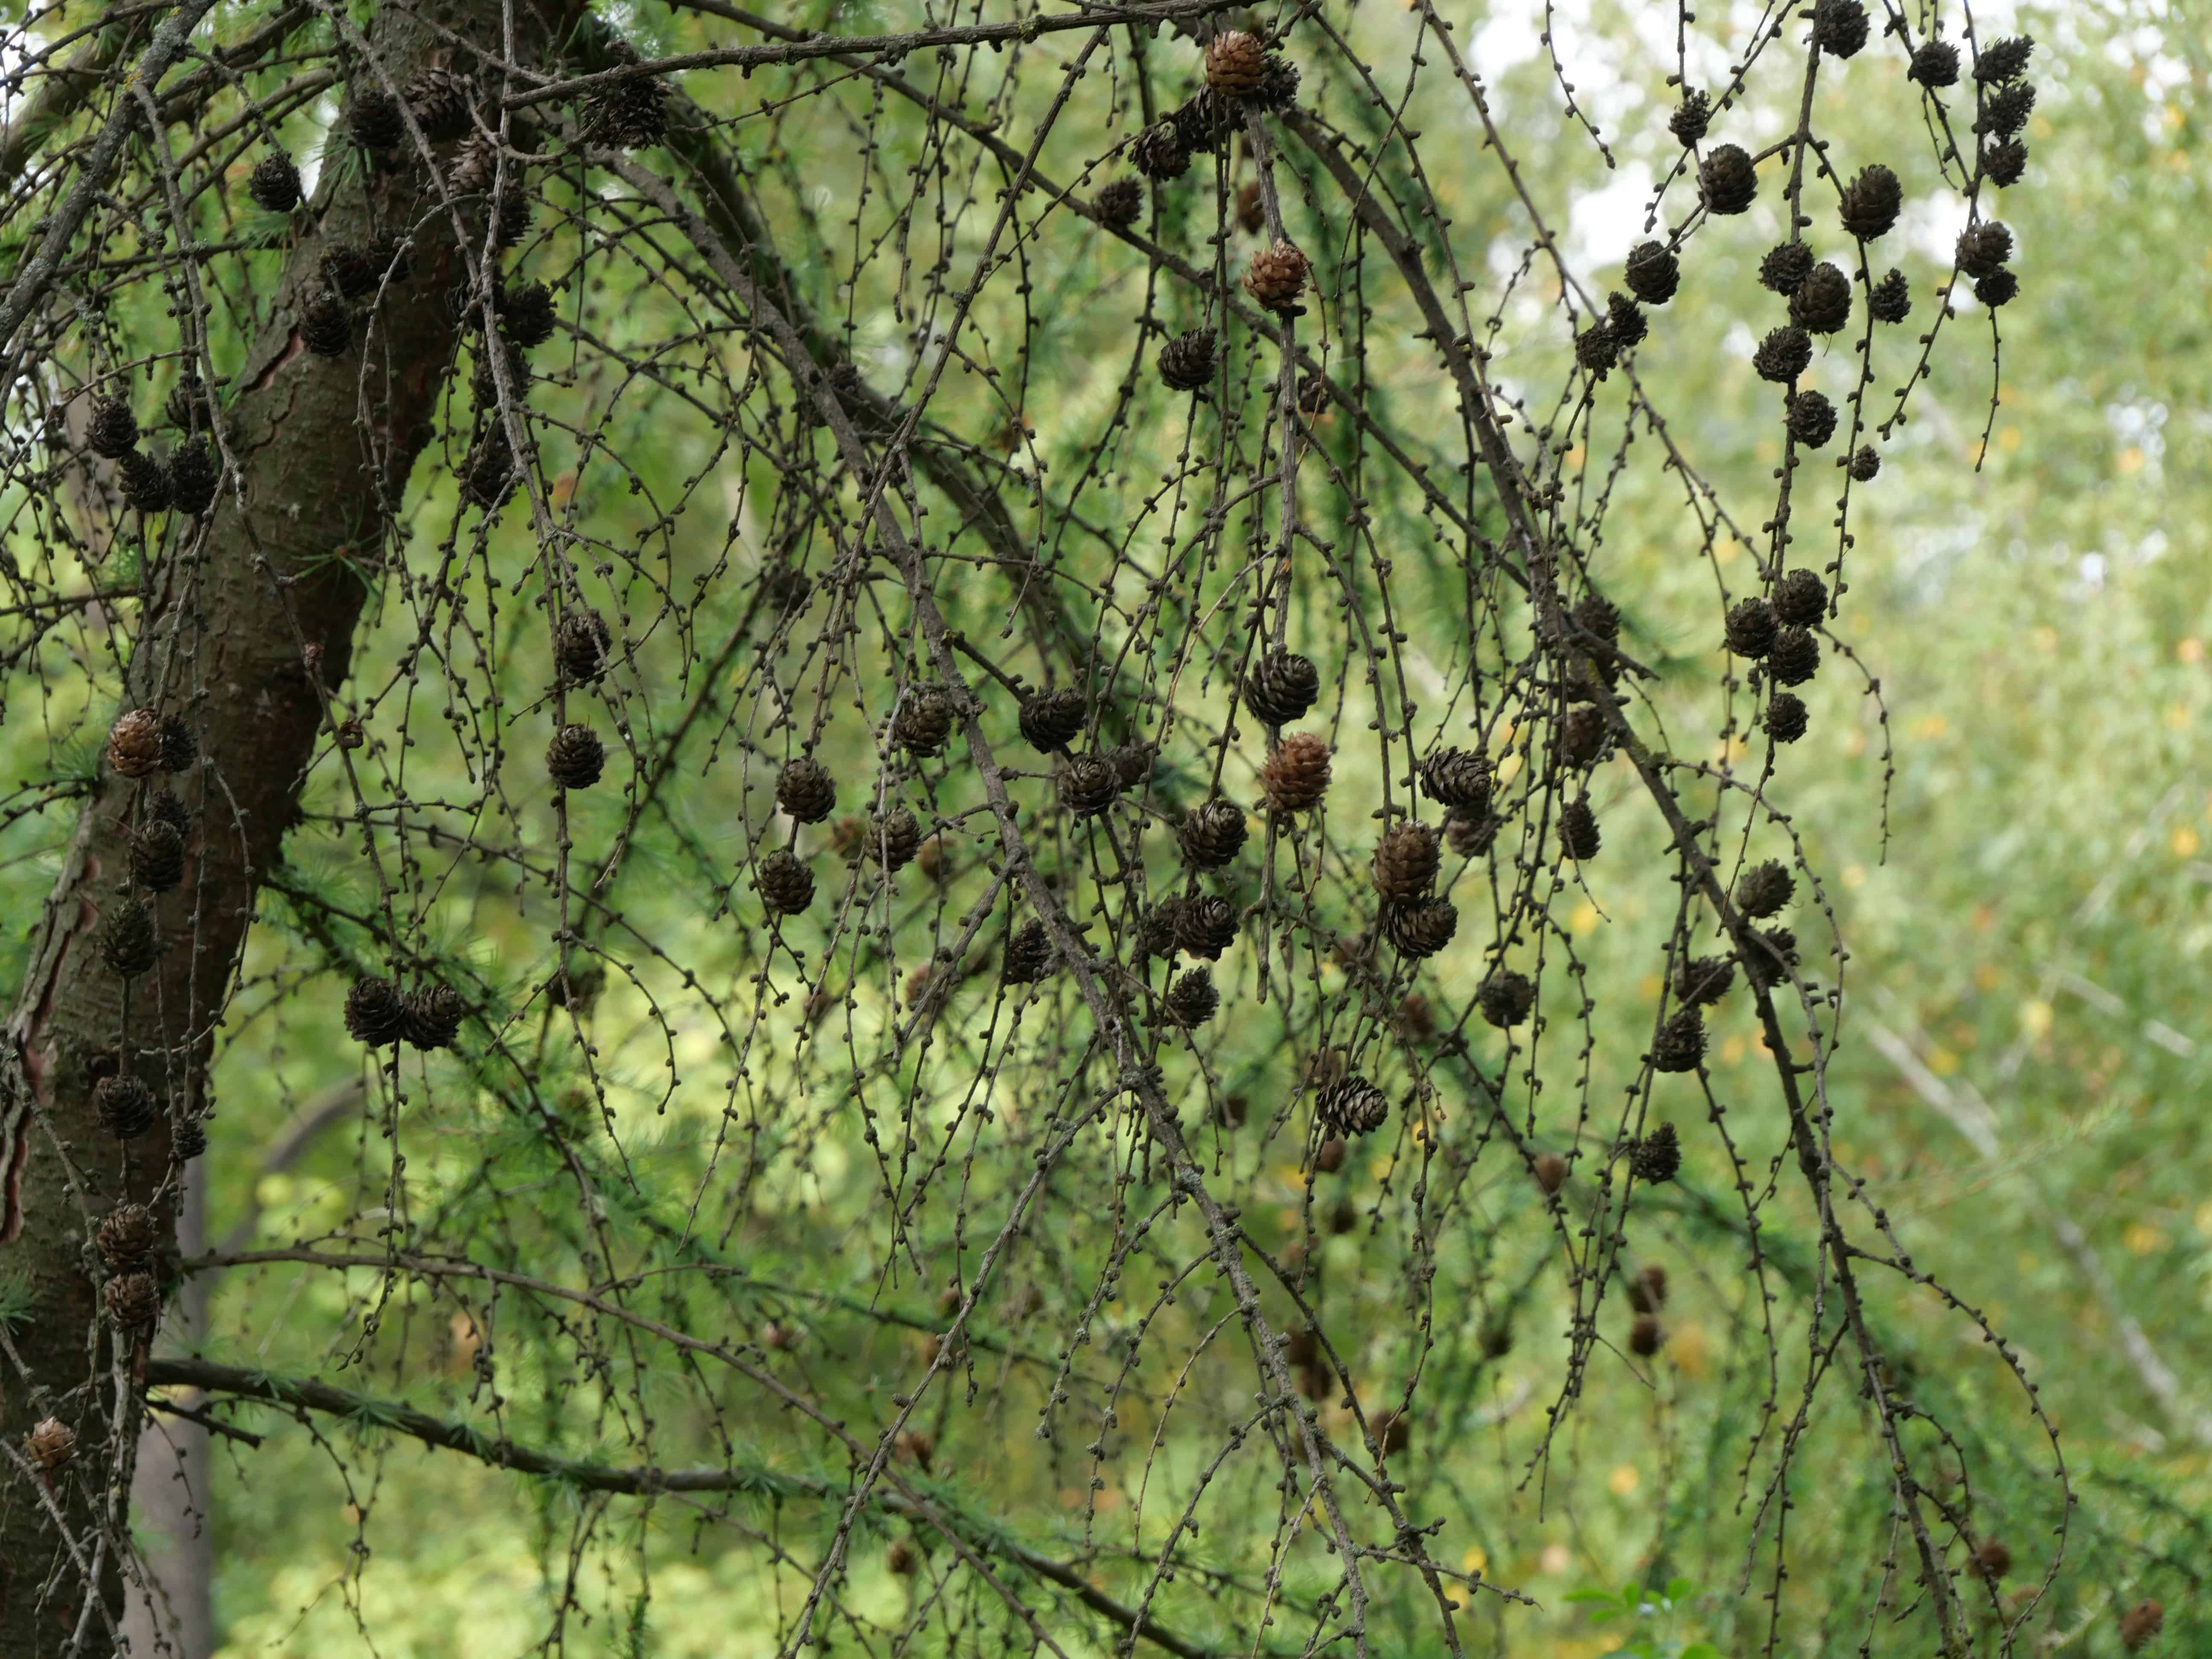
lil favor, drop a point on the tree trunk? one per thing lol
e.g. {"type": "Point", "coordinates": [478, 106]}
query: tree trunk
{"type": "Point", "coordinates": [247, 626]}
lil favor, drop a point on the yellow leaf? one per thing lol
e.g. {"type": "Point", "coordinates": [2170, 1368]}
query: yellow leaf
{"type": "Point", "coordinates": [2035, 1017]}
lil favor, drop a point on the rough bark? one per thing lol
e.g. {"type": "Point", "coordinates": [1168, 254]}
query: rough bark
{"type": "Point", "coordinates": [248, 627]}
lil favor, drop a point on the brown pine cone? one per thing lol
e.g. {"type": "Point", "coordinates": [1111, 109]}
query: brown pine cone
{"type": "Point", "coordinates": [1119, 204]}
{"type": "Point", "coordinates": [1993, 1557]}
{"type": "Point", "coordinates": [1186, 362]}
{"type": "Point", "coordinates": [1652, 273]}
{"type": "Point", "coordinates": [1277, 276]}
{"type": "Point", "coordinates": [1159, 152]}
{"type": "Point", "coordinates": [1406, 862]}
{"type": "Point", "coordinates": [157, 856]}
{"type": "Point", "coordinates": [112, 431]}
{"type": "Point", "coordinates": [1785, 717]}
{"type": "Point", "coordinates": [1750, 627]}
{"type": "Point", "coordinates": [134, 743]}
{"type": "Point", "coordinates": [1680, 1044]}
{"type": "Point", "coordinates": [1822, 303]}
{"type": "Point", "coordinates": [187, 1140]}
{"type": "Point", "coordinates": [1506, 998]}
{"type": "Point", "coordinates": [439, 101]}
{"type": "Point", "coordinates": [126, 1106]}
{"type": "Point", "coordinates": [1206, 926]}
{"type": "Point", "coordinates": [275, 183]}
{"type": "Point", "coordinates": [1550, 1171]}
{"type": "Point", "coordinates": [1647, 1289]}
{"type": "Point", "coordinates": [1796, 657]}
{"type": "Point", "coordinates": [1727, 179]}
{"type": "Point", "coordinates": [1690, 118]}
{"type": "Point", "coordinates": [1471, 834]}
{"type": "Point", "coordinates": [1192, 999]}
{"type": "Point", "coordinates": [133, 1302]}
{"type": "Point", "coordinates": [2139, 1625]}
{"type": "Point", "coordinates": [1771, 955]}
{"type": "Point", "coordinates": [1212, 834]}
{"type": "Point", "coordinates": [1029, 953]}
{"type": "Point", "coordinates": [1457, 779]}
{"type": "Point", "coordinates": [1871, 202]}
{"type": "Point", "coordinates": [375, 121]}
{"type": "Point", "coordinates": [1352, 1106]}
{"type": "Point", "coordinates": [434, 1017]}
{"type": "Point", "coordinates": [1764, 888]}
{"type": "Point", "coordinates": [1281, 686]}
{"type": "Point", "coordinates": [805, 789]}
{"type": "Point", "coordinates": [1236, 62]}
{"type": "Point", "coordinates": [1656, 1156]}
{"type": "Point", "coordinates": [1783, 354]}
{"type": "Point", "coordinates": [581, 646]}
{"type": "Point", "coordinates": [1051, 719]}
{"type": "Point", "coordinates": [1801, 598]}
{"type": "Point", "coordinates": [1090, 784]}
{"type": "Point", "coordinates": [127, 1236]}
{"type": "Point", "coordinates": [575, 757]}
{"type": "Point", "coordinates": [1583, 735]}
{"type": "Point", "coordinates": [893, 839]}
{"type": "Point", "coordinates": [1646, 1336]}
{"type": "Point", "coordinates": [1703, 980]}
{"type": "Point", "coordinates": [375, 1013]}
{"type": "Point", "coordinates": [786, 885]}
{"type": "Point", "coordinates": [1578, 832]}
{"type": "Point", "coordinates": [51, 1443]}
{"type": "Point", "coordinates": [1295, 776]}
{"type": "Point", "coordinates": [1155, 934]}
{"type": "Point", "coordinates": [1983, 248]}
{"type": "Point", "coordinates": [1420, 930]}
{"type": "Point", "coordinates": [129, 943]}
{"type": "Point", "coordinates": [924, 721]}
{"type": "Point", "coordinates": [325, 326]}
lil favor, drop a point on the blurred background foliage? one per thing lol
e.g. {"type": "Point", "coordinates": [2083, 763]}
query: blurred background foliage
{"type": "Point", "coordinates": [2015, 839]}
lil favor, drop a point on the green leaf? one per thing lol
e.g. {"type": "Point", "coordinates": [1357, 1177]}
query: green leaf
{"type": "Point", "coordinates": [1680, 1589]}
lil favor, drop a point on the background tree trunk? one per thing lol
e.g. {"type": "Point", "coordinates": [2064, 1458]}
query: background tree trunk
{"type": "Point", "coordinates": [256, 608]}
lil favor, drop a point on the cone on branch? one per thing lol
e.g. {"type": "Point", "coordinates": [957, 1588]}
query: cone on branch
{"type": "Point", "coordinates": [1192, 999]}
{"type": "Point", "coordinates": [1050, 721]}
{"type": "Point", "coordinates": [1206, 926]}
{"type": "Point", "coordinates": [576, 758]}
{"type": "Point", "coordinates": [1839, 27]}
{"type": "Point", "coordinates": [1680, 1044]}
{"type": "Point", "coordinates": [805, 789]}
{"type": "Point", "coordinates": [1297, 776]}
{"type": "Point", "coordinates": [786, 885]}
{"type": "Point", "coordinates": [325, 326]}
{"type": "Point", "coordinates": [434, 1014]}
{"type": "Point", "coordinates": [1456, 779]}
{"type": "Point", "coordinates": [127, 1236]}
{"type": "Point", "coordinates": [129, 944]}
{"type": "Point", "coordinates": [1656, 1156]}
{"type": "Point", "coordinates": [126, 1106]}
{"type": "Point", "coordinates": [1420, 930]}
{"type": "Point", "coordinates": [1801, 598]}
{"type": "Point", "coordinates": [1352, 1106]}
{"type": "Point", "coordinates": [1751, 628]}
{"type": "Point", "coordinates": [923, 724]}
{"type": "Point", "coordinates": [1120, 203]}
{"type": "Point", "coordinates": [1702, 981]}
{"type": "Point", "coordinates": [1935, 65]}
{"type": "Point", "coordinates": [1785, 267]}
{"type": "Point", "coordinates": [1727, 179]}
{"type": "Point", "coordinates": [144, 482]}
{"type": "Point", "coordinates": [1796, 657]}
{"type": "Point", "coordinates": [50, 1444]}
{"type": "Point", "coordinates": [1406, 862]}
{"type": "Point", "coordinates": [134, 743]}
{"type": "Point", "coordinates": [582, 646]}
{"type": "Point", "coordinates": [1159, 152]}
{"type": "Point", "coordinates": [375, 121]}
{"type": "Point", "coordinates": [1822, 302]}
{"type": "Point", "coordinates": [1653, 273]}
{"type": "Point", "coordinates": [1029, 953]}
{"type": "Point", "coordinates": [440, 101]}
{"type": "Point", "coordinates": [1782, 355]}
{"type": "Point", "coordinates": [1281, 687]}
{"type": "Point", "coordinates": [133, 1302]}
{"type": "Point", "coordinates": [1578, 830]}
{"type": "Point", "coordinates": [1276, 277]}
{"type": "Point", "coordinates": [1785, 717]}
{"type": "Point", "coordinates": [2139, 1625]}
{"type": "Point", "coordinates": [193, 477]}
{"type": "Point", "coordinates": [1506, 998]}
{"type": "Point", "coordinates": [112, 431]}
{"type": "Point", "coordinates": [274, 184]}
{"type": "Point", "coordinates": [1212, 834]}
{"type": "Point", "coordinates": [1811, 419]}
{"type": "Point", "coordinates": [1646, 1336]}
{"type": "Point", "coordinates": [1551, 1172]}
{"type": "Point", "coordinates": [1690, 118]}
{"type": "Point", "coordinates": [1871, 202]}
{"type": "Point", "coordinates": [1236, 62]}
{"type": "Point", "coordinates": [157, 857]}
{"type": "Point", "coordinates": [1186, 362]}
{"type": "Point", "coordinates": [1471, 834]}
{"type": "Point", "coordinates": [1647, 1289]}
{"type": "Point", "coordinates": [1090, 784]}
{"type": "Point", "coordinates": [1764, 890]}
{"type": "Point", "coordinates": [1890, 299]}
{"type": "Point", "coordinates": [375, 1013]}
